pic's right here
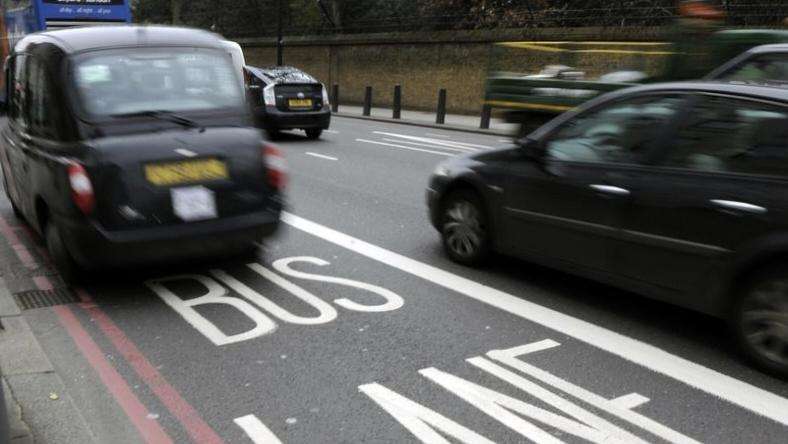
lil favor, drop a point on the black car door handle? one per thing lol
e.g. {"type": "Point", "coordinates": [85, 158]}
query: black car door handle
{"type": "Point", "coordinates": [742, 207]}
{"type": "Point", "coordinates": [609, 189]}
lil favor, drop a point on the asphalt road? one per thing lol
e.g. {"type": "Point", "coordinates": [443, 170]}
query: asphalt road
{"type": "Point", "coordinates": [354, 327]}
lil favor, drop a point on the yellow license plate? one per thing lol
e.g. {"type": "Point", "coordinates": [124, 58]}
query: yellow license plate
{"type": "Point", "coordinates": [188, 171]}
{"type": "Point", "coordinates": [300, 103]}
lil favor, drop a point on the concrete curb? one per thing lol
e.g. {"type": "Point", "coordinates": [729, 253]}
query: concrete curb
{"type": "Point", "coordinates": [24, 367]}
{"type": "Point", "coordinates": [464, 129]}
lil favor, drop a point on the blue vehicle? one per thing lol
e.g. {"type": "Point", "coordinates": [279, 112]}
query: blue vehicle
{"type": "Point", "coordinates": [22, 17]}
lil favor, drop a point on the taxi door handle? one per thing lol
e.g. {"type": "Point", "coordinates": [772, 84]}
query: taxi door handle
{"type": "Point", "coordinates": [742, 207]}
{"type": "Point", "coordinates": [609, 189]}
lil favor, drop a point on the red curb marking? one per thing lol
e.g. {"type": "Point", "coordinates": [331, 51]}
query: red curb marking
{"type": "Point", "coordinates": [150, 430]}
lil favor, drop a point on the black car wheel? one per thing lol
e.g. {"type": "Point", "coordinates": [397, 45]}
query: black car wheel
{"type": "Point", "coordinates": [760, 320]}
{"type": "Point", "coordinates": [313, 133]}
{"type": "Point", "coordinates": [65, 264]}
{"type": "Point", "coordinates": [464, 228]}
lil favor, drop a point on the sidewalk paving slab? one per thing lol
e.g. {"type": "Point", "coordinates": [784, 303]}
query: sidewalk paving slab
{"type": "Point", "coordinates": [454, 122]}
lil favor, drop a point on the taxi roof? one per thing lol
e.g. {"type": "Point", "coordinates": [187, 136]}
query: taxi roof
{"type": "Point", "coordinates": [74, 40]}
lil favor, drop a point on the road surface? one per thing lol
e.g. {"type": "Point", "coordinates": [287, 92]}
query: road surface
{"type": "Point", "coordinates": [354, 327]}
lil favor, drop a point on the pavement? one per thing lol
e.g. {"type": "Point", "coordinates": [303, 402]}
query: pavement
{"type": "Point", "coordinates": [353, 326]}
{"type": "Point", "coordinates": [453, 122]}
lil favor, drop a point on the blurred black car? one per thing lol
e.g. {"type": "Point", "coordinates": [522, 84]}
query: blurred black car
{"type": "Point", "coordinates": [125, 145]}
{"type": "Point", "coordinates": [283, 97]}
{"type": "Point", "coordinates": [765, 64]}
{"type": "Point", "coordinates": [676, 191]}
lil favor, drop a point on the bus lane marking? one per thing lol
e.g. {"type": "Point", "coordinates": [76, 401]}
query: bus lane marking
{"type": "Point", "coordinates": [257, 307]}
{"type": "Point", "coordinates": [533, 423]}
{"type": "Point", "coordinates": [734, 391]}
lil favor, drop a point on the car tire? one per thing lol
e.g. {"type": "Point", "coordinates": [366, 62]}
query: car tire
{"type": "Point", "coordinates": [273, 133]}
{"type": "Point", "coordinates": [69, 270]}
{"type": "Point", "coordinates": [759, 320]}
{"type": "Point", "coordinates": [313, 133]}
{"type": "Point", "coordinates": [464, 228]}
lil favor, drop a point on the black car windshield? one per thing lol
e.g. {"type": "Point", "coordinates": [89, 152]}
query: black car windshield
{"type": "Point", "coordinates": [137, 80]}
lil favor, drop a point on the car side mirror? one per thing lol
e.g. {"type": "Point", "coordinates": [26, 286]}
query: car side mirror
{"type": "Point", "coordinates": [531, 149]}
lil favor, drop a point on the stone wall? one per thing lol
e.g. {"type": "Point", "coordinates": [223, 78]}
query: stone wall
{"type": "Point", "coordinates": [425, 62]}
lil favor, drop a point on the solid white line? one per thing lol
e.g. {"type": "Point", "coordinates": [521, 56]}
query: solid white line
{"type": "Point", "coordinates": [435, 141]}
{"type": "Point", "coordinates": [437, 135]}
{"type": "Point", "coordinates": [702, 378]}
{"type": "Point", "coordinates": [321, 156]}
{"type": "Point", "coordinates": [404, 147]}
{"type": "Point", "coordinates": [256, 430]}
{"type": "Point", "coordinates": [630, 401]}
{"type": "Point", "coordinates": [462, 150]}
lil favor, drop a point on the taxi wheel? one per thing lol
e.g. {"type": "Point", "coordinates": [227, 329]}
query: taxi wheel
{"type": "Point", "coordinates": [273, 133]}
{"type": "Point", "coordinates": [464, 228]}
{"type": "Point", "coordinates": [65, 264]}
{"type": "Point", "coordinates": [760, 320]}
{"type": "Point", "coordinates": [313, 133]}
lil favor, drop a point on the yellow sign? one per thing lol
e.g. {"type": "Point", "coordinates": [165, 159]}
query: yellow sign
{"type": "Point", "coordinates": [189, 171]}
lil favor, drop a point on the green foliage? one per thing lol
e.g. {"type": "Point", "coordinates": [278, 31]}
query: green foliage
{"type": "Point", "coordinates": [258, 18]}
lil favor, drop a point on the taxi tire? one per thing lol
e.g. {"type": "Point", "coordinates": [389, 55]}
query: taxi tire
{"type": "Point", "coordinates": [313, 133]}
{"type": "Point", "coordinates": [69, 270]}
{"type": "Point", "coordinates": [738, 324]}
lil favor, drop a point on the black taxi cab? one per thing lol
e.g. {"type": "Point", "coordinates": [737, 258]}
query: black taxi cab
{"type": "Point", "coordinates": [126, 145]}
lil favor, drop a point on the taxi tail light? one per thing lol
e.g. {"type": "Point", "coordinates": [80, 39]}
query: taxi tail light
{"type": "Point", "coordinates": [81, 188]}
{"type": "Point", "coordinates": [276, 166]}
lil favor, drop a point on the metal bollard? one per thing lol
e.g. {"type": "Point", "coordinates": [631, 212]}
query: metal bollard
{"type": "Point", "coordinates": [335, 99]}
{"type": "Point", "coordinates": [486, 114]}
{"type": "Point", "coordinates": [397, 108]}
{"type": "Point", "coordinates": [368, 101]}
{"type": "Point", "coordinates": [441, 117]}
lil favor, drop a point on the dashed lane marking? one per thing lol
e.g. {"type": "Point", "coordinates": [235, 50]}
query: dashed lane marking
{"type": "Point", "coordinates": [695, 375]}
{"type": "Point", "coordinates": [321, 156]}
{"type": "Point", "coordinates": [410, 148]}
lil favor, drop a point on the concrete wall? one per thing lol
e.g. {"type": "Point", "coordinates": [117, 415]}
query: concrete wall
{"type": "Point", "coordinates": [424, 63]}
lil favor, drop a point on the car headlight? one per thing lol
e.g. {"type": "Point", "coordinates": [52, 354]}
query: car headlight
{"type": "Point", "coordinates": [326, 100]}
{"type": "Point", "coordinates": [269, 97]}
{"type": "Point", "coordinates": [441, 170]}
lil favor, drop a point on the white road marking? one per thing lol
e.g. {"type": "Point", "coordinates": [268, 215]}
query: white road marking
{"type": "Point", "coordinates": [331, 131]}
{"type": "Point", "coordinates": [185, 152]}
{"type": "Point", "coordinates": [513, 413]}
{"type": "Point", "coordinates": [429, 145]}
{"type": "Point", "coordinates": [505, 140]}
{"type": "Point", "coordinates": [437, 135]}
{"type": "Point", "coordinates": [421, 421]}
{"type": "Point", "coordinates": [510, 358]}
{"type": "Point", "coordinates": [321, 156]}
{"type": "Point", "coordinates": [256, 430]}
{"type": "Point", "coordinates": [435, 141]}
{"type": "Point", "coordinates": [630, 401]}
{"type": "Point", "coordinates": [702, 378]}
{"type": "Point", "coordinates": [404, 147]}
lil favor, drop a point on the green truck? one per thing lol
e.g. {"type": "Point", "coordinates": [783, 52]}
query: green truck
{"type": "Point", "coordinates": [532, 99]}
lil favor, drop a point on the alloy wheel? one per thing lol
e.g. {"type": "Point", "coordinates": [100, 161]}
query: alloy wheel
{"type": "Point", "coordinates": [463, 228]}
{"type": "Point", "coordinates": [764, 321]}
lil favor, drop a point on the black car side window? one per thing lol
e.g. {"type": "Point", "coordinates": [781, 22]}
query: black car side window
{"type": "Point", "coordinates": [41, 99]}
{"type": "Point", "coordinates": [764, 68]}
{"type": "Point", "coordinates": [617, 133]}
{"type": "Point", "coordinates": [18, 91]}
{"type": "Point", "coordinates": [730, 135]}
